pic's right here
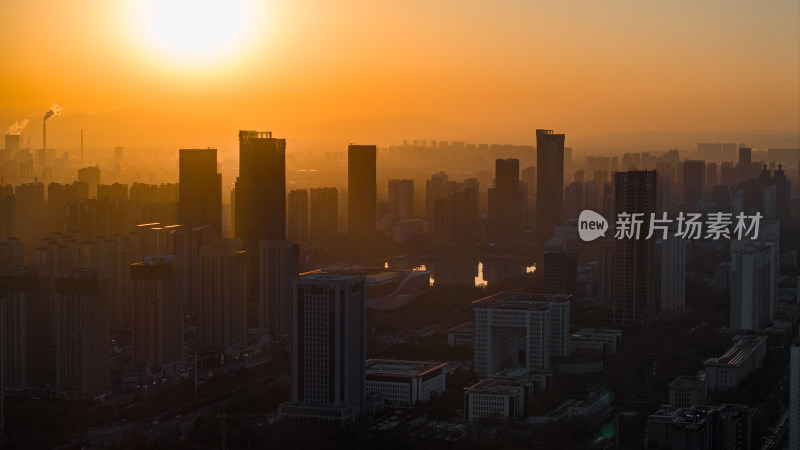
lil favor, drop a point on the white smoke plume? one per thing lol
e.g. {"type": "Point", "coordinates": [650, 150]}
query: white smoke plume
{"type": "Point", "coordinates": [17, 127]}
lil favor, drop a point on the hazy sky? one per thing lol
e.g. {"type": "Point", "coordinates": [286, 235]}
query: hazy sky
{"type": "Point", "coordinates": [576, 66]}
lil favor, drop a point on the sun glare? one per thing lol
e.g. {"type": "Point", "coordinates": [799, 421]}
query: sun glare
{"type": "Point", "coordinates": [196, 30]}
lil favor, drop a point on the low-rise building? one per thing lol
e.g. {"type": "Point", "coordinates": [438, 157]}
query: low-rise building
{"type": "Point", "coordinates": [463, 334]}
{"type": "Point", "coordinates": [744, 357]}
{"type": "Point", "coordinates": [687, 391]}
{"type": "Point", "coordinates": [504, 395]}
{"type": "Point", "coordinates": [593, 342]}
{"type": "Point", "coordinates": [701, 426]}
{"type": "Point", "coordinates": [404, 383]}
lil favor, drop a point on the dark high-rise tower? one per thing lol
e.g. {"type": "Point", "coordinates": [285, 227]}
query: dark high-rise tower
{"type": "Point", "coordinates": [549, 181]}
{"type": "Point", "coordinates": [200, 189]}
{"type": "Point", "coordinates": [362, 190]}
{"type": "Point", "coordinates": [694, 174]}
{"type": "Point", "coordinates": [260, 196]}
{"type": "Point", "coordinates": [505, 205]}
{"type": "Point", "coordinates": [634, 258]}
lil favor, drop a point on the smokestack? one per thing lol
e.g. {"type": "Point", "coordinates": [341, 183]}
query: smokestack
{"type": "Point", "coordinates": [54, 110]}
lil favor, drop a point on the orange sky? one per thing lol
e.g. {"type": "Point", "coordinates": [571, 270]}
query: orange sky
{"type": "Point", "coordinates": [576, 66]}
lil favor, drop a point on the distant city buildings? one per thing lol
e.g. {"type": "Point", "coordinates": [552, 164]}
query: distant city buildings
{"type": "Point", "coordinates": [223, 296]}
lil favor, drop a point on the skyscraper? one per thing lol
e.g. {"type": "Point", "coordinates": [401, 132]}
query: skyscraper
{"type": "Point", "coordinates": [158, 312]}
{"type": "Point", "coordinates": [200, 189]}
{"type": "Point", "coordinates": [401, 199]}
{"type": "Point", "coordinates": [83, 347]}
{"type": "Point", "coordinates": [549, 181]}
{"type": "Point", "coordinates": [794, 397]}
{"type": "Point", "coordinates": [324, 215]}
{"type": "Point", "coordinates": [754, 279]}
{"type": "Point", "coordinates": [260, 196]}
{"type": "Point", "coordinates": [223, 296]}
{"type": "Point", "coordinates": [328, 365]}
{"type": "Point", "coordinates": [26, 315]}
{"type": "Point", "coordinates": [506, 206]}
{"type": "Point", "coordinates": [694, 174]}
{"type": "Point", "coordinates": [362, 190]}
{"type": "Point", "coordinates": [634, 258]}
{"type": "Point", "coordinates": [673, 277]}
{"type": "Point", "coordinates": [279, 262]}
{"type": "Point", "coordinates": [297, 223]}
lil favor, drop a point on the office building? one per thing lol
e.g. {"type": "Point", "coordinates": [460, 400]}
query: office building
{"type": "Point", "coordinates": [328, 360]}
{"type": "Point", "coordinates": [223, 296]}
{"type": "Point", "coordinates": [595, 343]}
{"type": "Point", "coordinates": [158, 308]}
{"type": "Point", "coordinates": [324, 204]}
{"type": "Point", "coordinates": [260, 209]}
{"type": "Point", "coordinates": [753, 279]}
{"type": "Point", "coordinates": [297, 219]}
{"type": "Point", "coordinates": [279, 262]}
{"type": "Point", "coordinates": [361, 190]}
{"type": "Point", "coordinates": [200, 189]}
{"type": "Point", "coordinates": [549, 181]}
{"type": "Point", "coordinates": [11, 254]}
{"type": "Point", "coordinates": [463, 334]}
{"type": "Point", "coordinates": [634, 258]}
{"type": "Point", "coordinates": [83, 346]}
{"type": "Point", "coordinates": [404, 383]}
{"type": "Point", "coordinates": [560, 270]}
{"type": "Point", "coordinates": [504, 395]}
{"type": "Point", "coordinates": [688, 390]}
{"type": "Point", "coordinates": [746, 355]}
{"type": "Point", "coordinates": [520, 330]}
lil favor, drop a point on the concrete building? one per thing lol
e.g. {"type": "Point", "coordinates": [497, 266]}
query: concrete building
{"type": "Point", "coordinates": [324, 215]}
{"type": "Point", "coordinates": [688, 390]}
{"type": "Point", "coordinates": [794, 397]}
{"type": "Point", "coordinates": [26, 317]}
{"type": "Point", "coordinates": [83, 347]}
{"type": "Point", "coordinates": [158, 310]}
{"type": "Point", "coordinates": [520, 330]}
{"type": "Point", "coordinates": [401, 199]}
{"type": "Point", "coordinates": [279, 263]}
{"type": "Point", "coordinates": [634, 258]}
{"type": "Point", "coordinates": [328, 358]}
{"type": "Point", "coordinates": [744, 357]}
{"type": "Point", "coordinates": [223, 297]}
{"type": "Point", "coordinates": [297, 216]}
{"type": "Point", "coordinates": [404, 383]}
{"type": "Point", "coordinates": [672, 282]}
{"type": "Point", "coordinates": [700, 427]}
{"type": "Point", "coordinates": [594, 342]}
{"type": "Point", "coordinates": [463, 334]}
{"type": "Point", "coordinates": [505, 395]}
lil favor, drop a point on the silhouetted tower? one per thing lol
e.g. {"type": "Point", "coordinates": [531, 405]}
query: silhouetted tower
{"type": "Point", "coordinates": [362, 190]}
{"type": "Point", "coordinates": [549, 181]}
{"type": "Point", "coordinates": [200, 189]}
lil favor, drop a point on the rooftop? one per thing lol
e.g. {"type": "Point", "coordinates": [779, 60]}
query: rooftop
{"type": "Point", "coordinates": [738, 353]}
{"type": "Point", "coordinates": [517, 300]}
{"type": "Point", "coordinates": [401, 367]}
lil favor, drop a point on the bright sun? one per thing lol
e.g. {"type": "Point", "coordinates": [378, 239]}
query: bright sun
{"type": "Point", "coordinates": [196, 30]}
